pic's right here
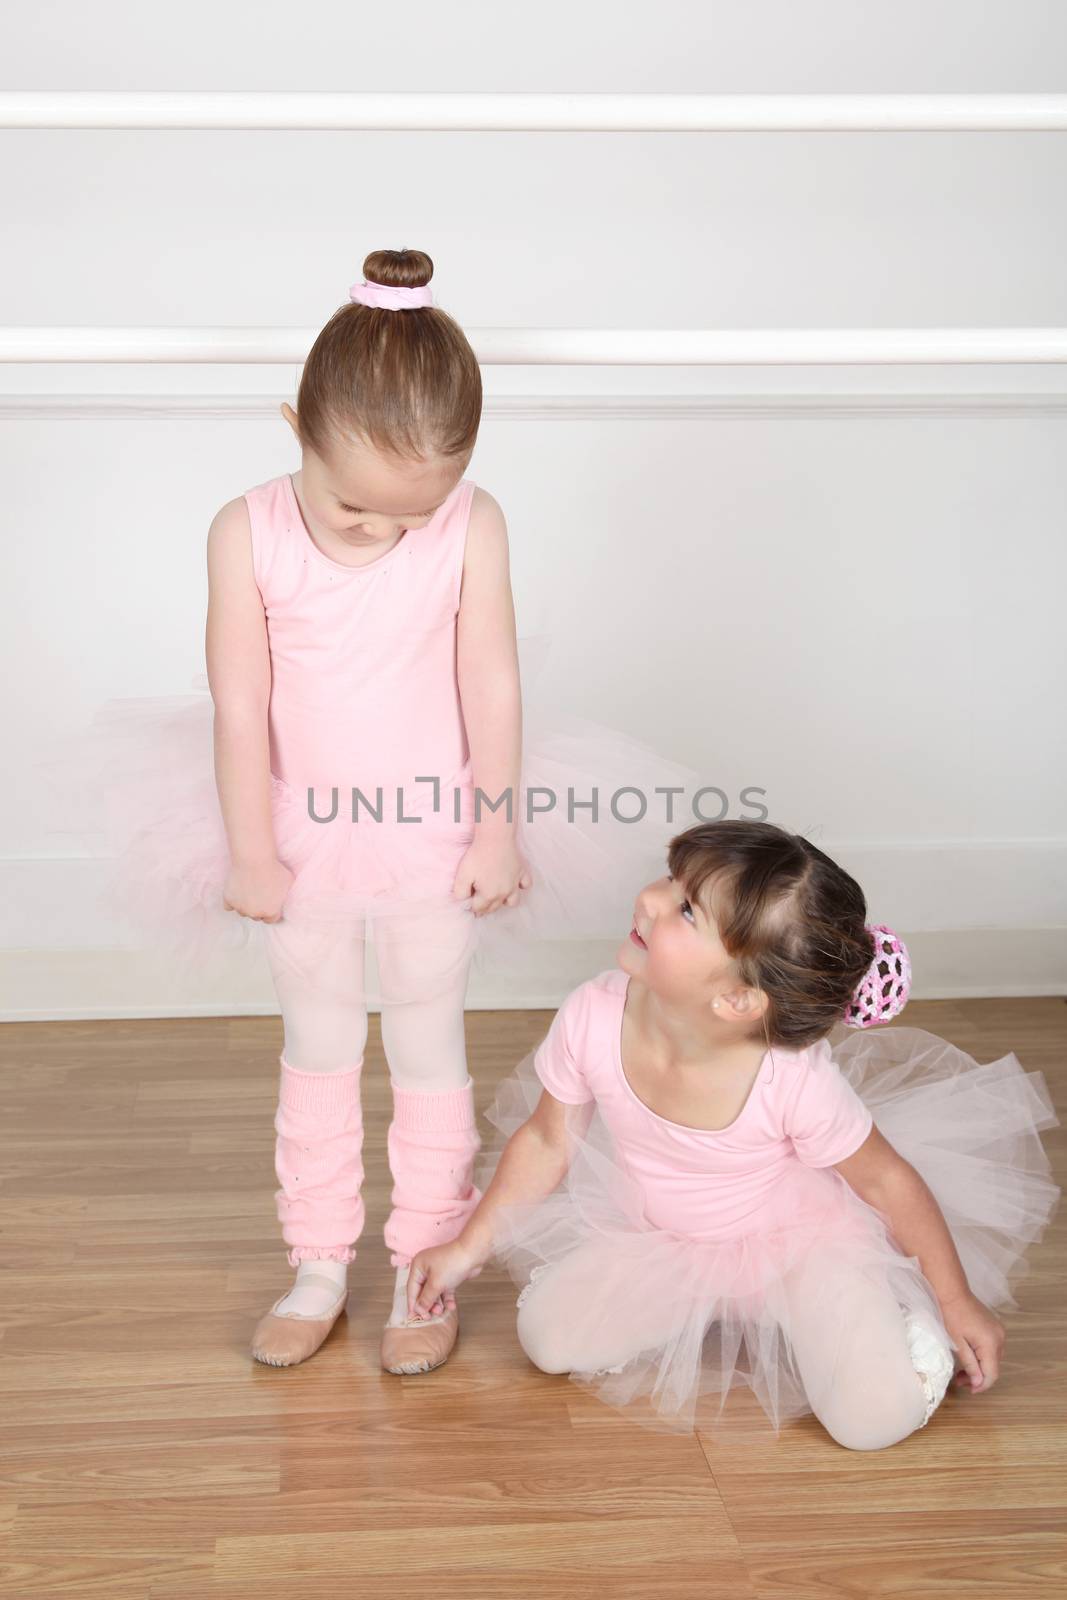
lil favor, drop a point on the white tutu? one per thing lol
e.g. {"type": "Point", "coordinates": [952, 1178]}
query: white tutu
{"type": "Point", "coordinates": [150, 806]}
{"type": "Point", "coordinates": [971, 1130]}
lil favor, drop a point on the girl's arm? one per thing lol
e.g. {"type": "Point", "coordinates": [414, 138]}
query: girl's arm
{"type": "Point", "coordinates": [487, 666]}
{"type": "Point", "coordinates": [238, 667]}
{"type": "Point", "coordinates": [881, 1176]}
{"type": "Point", "coordinates": [533, 1162]}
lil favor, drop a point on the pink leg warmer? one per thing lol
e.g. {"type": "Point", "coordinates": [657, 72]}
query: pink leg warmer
{"type": "Point", "coordinates": [433, 1140]}
{"type": "Point", "coordinates": [319, 1162]}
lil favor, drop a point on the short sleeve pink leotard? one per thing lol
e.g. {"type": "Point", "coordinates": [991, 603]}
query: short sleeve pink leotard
{"type": "Point", "coordinates": [703, 1183]}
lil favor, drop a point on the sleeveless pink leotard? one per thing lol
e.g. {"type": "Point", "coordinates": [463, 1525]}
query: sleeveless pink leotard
{"type": "Point", "coordinates": [364, 695]}
{"type": "Point", "coordinates": [363, 658]}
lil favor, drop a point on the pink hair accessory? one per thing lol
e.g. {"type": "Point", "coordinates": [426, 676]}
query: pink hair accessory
{"type": "Point", "coordinates": [391, 297]}
{"type": "Point", "coordinates": [883, 990]}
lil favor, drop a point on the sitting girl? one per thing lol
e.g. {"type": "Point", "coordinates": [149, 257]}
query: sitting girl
{"type": "Point", "coordinates": [701, 1189]}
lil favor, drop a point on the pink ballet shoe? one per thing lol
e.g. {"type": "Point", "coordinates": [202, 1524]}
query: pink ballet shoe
{"type": "Point", "coordinates": [413, 1344]}
{"type": "Point", "coordinates": [286, 1339]}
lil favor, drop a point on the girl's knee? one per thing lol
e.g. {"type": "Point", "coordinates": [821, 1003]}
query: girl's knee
{"type": "Point", "coordinates": [540, 1338]}
{"type": "Point", "coordinates": [317, 1044]}
{"type": "Point", "coordinates": [875, 1421]}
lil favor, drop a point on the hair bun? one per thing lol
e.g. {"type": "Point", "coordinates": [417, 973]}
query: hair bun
{"type": "Point", "coordinates": [398, 269]}
{"type": "Point", "coordinates": [883, 990]}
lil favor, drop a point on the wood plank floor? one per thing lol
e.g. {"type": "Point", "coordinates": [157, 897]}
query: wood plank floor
{"type": "Point", "coordinates": [145, 1455]}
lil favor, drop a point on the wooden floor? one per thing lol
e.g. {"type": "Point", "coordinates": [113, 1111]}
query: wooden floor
{"type": "Point", "coordinates": [145, 1454]}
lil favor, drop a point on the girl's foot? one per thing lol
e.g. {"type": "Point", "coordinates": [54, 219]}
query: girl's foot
{"type": "Point", "coordinates": [932, 1359]}
{"type": "Point", "coordinates": [297, 1324]}
{"type": "Point", "coordinates": [411, 1345]}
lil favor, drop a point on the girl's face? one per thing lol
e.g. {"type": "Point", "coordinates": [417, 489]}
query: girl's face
{"type": "Point", "coordinates": [366, 498]}
{"type": "Point", "coordinates": [677, 952]}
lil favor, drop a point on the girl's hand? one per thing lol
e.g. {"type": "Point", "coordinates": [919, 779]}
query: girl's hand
{"type": "Point", "coordinates": [258, 889]}
{"type": "Point", "coordinates": [435, 1274]}
{"type": "Point", "coordinates": [493, 872]}
{"type": "Point", "coordinates": [980, 1336]}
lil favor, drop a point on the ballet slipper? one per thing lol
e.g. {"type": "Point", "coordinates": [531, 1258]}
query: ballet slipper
{"type": "Point", "coordinates": [934, 1364]}
{"type": "Point", "coordinates": [419, 1345]}
{"type": "Point", "coordinates": [287, 1339]}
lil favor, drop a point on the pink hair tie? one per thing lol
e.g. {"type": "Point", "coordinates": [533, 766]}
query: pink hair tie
{"type": "Point", "coordinates": [391, 297]}
{"type": "Point", "coordinates": [883, 990]}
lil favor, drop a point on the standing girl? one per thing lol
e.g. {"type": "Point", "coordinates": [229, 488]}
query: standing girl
{"type": "Point", "coordinates": [365, 686]}
{"type": "Point", "coordinates": [700, 1189]}
{"type": "Point", "coordinates": [361, 637]}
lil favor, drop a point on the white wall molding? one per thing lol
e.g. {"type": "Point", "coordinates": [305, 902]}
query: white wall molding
{"type": "Point", "coordinates": [628, 347]}
{"type": "Point", "coordinates": [127, 406]}
{"type": "Point", "coordinates": [538, 113]}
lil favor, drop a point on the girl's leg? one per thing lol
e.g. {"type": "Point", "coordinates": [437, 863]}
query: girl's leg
{"type": "Point", "coordinates": [849, 1339]}
{"type": "Point", "coordinates": [564, 1327]}
{"type": "Point", "coordinates": [423, 963]}
{"type": "Point", "coordinates": [433, 1140]}
{"type": "Point", "coordinates": [318, 1152]}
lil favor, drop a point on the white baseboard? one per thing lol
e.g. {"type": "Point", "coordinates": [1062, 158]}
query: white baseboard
{"type": "Point", "coordinates": [981, 917]}
{"type": "Point", "coordinates": [85, 985]}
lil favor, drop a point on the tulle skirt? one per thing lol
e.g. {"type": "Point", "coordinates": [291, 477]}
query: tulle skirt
{"type": "Point", "coordinates": [588, 823]}
{"type": "Point", "coordinates": [710, 1314]}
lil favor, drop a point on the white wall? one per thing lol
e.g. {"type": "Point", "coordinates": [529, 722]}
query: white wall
{"type": "Point", "coordinates": [856, 606]}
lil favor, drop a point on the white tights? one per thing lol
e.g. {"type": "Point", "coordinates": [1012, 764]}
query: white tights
{"type": "Point", "coordinates": [321, 988]}
{"type": "Point", "coordinates": [847, 1337]}
{"type": "Point", "coordinates": [326, 1021]}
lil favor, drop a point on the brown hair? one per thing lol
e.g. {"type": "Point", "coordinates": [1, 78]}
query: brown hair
{"type": "Point", "coordinates": [792, 920]}
{"type": "Point", "coordinates": [407, 381]}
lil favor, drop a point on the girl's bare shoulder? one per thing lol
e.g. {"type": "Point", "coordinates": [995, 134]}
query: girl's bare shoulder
{"type": "Point", "coordinates": [229, 547]}
{"type": "Point", "coordinates": [230, 525]}
{"type": "Point", "coordinates": [485, 555]}
{"type": "Point", "coordinates": [487, 521]}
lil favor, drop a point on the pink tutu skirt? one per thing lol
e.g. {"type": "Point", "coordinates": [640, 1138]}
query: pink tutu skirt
{"type": "Point", "coordinates": [149, 805]}
{"type": "Point", "coordinates": [971, 1130]}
